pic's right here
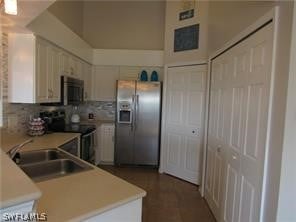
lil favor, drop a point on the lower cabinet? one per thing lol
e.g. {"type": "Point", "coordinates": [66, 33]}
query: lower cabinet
{"type": "Point", "coordinates": [22, 209]}
{"type": "Point", "coordinates": [105, 149]}
{"type": "Point", "coordinates": [131, 212]}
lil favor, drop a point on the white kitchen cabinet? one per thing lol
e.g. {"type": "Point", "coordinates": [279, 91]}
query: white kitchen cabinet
{"type": "Point", "coordinates": [70, 65]}
{"type": "Point", "coordinates": [64, 63]}
{"type": "Point", "coordinates": [104, 83]}
{"type": "Point", "coordinates": [47, 75]}
{"type": "Point", "coordinates": [76, 67]}
{"type": "Point", "coordinates": [53, 74]}
{"type": "Point", "coordinates": [87, 77]}
{"type": "Point", "coordinates": [131, 212]}
{"type": "Point", "coordinates": [23, 208]}
{"type": "Point", "coordinates": [33, 70]}
{"type": "Point", "coordinates": [42, 90]}
{"type": "Point", "coordinates": [106, 142]}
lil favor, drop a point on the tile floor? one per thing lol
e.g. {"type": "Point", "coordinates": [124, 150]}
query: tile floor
{"type": "Point", "coordinates": [168, 198]}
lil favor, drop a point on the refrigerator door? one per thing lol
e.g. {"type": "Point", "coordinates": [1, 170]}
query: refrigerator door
{"type": "Point", "coordinates": [124, 131]}
{"type": "Point", "coordinates": [147, 123]}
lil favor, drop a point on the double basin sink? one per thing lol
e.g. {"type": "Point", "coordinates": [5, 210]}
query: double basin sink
{"type": "Point", "coordinates": [47, 164]}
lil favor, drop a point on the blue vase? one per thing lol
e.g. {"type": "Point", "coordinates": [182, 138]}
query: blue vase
{"type": "Point", "coordinates": [154, 76]}
{"type": "Point", "coordinates": [144, 76]}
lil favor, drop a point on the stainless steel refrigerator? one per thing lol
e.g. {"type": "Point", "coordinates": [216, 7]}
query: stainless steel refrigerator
{"type": "Point", "coordinates": [137, 132]}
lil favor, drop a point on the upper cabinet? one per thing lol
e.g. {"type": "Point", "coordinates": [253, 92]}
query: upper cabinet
{"type": "Point", "coordinates": [87, 77]}
{"type": "Point", "coordinates": [76, 67]}
{"type": "Point", "coordinates": [35, 69]}
{"type": "Point", "coordinates": [104, 83]}
{"type": "Point", "coordinates": [47, 72]}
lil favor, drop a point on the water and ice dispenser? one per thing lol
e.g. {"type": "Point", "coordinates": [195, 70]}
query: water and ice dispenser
{"type": "Point", "coordinates": [125, 112]}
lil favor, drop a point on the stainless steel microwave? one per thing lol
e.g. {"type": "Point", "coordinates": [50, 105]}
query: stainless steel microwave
{"type": "Point", "coordinates": [72, 91]}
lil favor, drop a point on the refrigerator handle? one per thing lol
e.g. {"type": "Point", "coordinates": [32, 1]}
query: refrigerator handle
{"type": "Point", "coordinates": [133, 114]}
{"type": "Point", "coordinates": [136, 110]}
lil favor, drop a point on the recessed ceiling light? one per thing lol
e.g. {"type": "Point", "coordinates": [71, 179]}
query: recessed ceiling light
{"type": "Point", "coordinates": [10, 7]}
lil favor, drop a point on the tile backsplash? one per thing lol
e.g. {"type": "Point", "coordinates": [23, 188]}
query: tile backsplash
{"type": "Point", "coordinates": [101, 110]}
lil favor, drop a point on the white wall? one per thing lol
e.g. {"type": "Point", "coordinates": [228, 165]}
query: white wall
{"type": "Point", "coordinates": [52, 29]}
{"type": "Point", "coordinates": [134, 25]}
{"type": "Point", "coordinates": [228, 18]}
{"type": "Point", "coordinates": [281, 73]}
{"type": "Point", "coordinates": [119, 57]}
{"type": "Point", "coordinates": [287, 194]}
{"type": "Point", "coordinates": [70, 13]}
{"type": "Point", "coordinates": [173, 8]}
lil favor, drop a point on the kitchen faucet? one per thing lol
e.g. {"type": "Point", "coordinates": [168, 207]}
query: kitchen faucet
{"type": "Point", "coordinates": [13, 151]}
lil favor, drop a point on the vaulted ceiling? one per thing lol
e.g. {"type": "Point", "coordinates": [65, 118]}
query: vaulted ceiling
{"type": "Point", "coordinates": [114, 24]}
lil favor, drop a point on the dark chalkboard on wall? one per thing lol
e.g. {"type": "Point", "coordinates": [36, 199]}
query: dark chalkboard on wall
{"type": "Point", "coordinates": [186, 38]}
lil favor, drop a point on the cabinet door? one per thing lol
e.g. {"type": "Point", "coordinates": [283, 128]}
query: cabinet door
{"type": "Point", "coordinates": [64, 63]}
{"type": "Point", "coordinates": [87, 77]}
{"type": "Point", "coordinates": [41, 74]}
{"type": "Point", "coordinates": [76, 67]}
{"type": "Point", "coordinates": [107, 146]}
{"type": "Point", "coordinates": [104, 83]}
{"type": "Point", "coordinates": [53, 74]}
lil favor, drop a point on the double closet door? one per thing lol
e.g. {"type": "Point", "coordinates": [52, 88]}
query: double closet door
{"type": "Point", "coordinates": [239, 96]}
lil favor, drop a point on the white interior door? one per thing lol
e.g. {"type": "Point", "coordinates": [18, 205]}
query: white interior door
{"type": "Point", "coordinates": [183, 130]}
{"type": "Point", "coordinates": [240, 84]}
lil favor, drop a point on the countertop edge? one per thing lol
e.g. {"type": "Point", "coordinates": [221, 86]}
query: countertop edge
{"type": "Point", "coordinates": [21, 199]}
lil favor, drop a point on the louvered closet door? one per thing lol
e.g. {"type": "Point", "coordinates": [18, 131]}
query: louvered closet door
{"type": "Point", "coordinates": [240, 86]}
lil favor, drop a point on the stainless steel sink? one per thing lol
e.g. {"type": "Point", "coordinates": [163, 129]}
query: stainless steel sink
{"type": "Point", "coordinates": [40, 156]}
{"type": "Point", "coordinates": [47, 164]}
